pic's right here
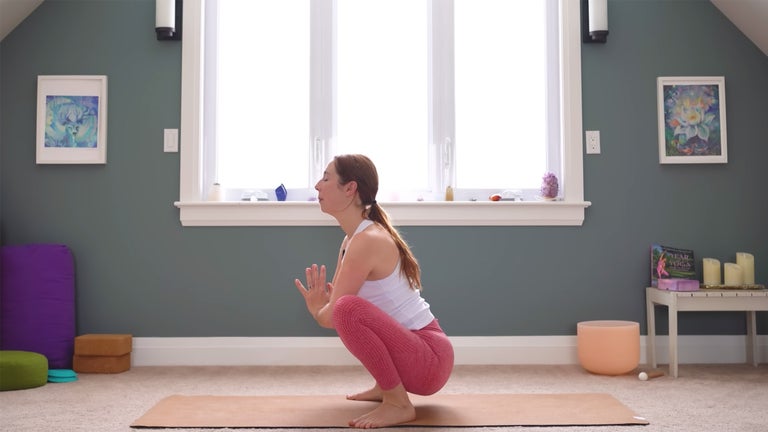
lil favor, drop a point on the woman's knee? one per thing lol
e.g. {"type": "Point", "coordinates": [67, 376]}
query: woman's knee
{"type": "Point", "coordinates": [345, 304]}
{"type": "Point", "coordinates": [347, 307]}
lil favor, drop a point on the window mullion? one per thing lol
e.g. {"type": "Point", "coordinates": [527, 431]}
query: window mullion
{"type": "Point", "coordinates": [322, 85]}
{"type": "Point", "coordinates": [210, 91]}
{"type": "Point", "coordinates": [554, 143]}
{"type": "Point", "coordinates": [442, 142]}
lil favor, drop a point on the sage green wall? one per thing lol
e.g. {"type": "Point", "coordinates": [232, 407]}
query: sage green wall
{"type": "Point", "coordinates": [139, 271]}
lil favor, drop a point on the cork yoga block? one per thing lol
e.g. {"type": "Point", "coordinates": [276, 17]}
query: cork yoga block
{"type": "Point", "coordinates": [608, 347]}
{"type": "Point", "coordinates": [103, 344]}
{"type": "Point", "coordinates": [101, 364]}
{"type": "Point", "coordinates": [102, 353]}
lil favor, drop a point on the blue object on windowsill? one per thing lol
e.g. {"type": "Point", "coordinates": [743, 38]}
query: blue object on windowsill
{"type": "Point", "coordinates": [281, 193]}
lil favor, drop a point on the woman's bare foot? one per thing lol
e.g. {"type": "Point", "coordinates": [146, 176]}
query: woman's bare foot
{"type": "Point", "coordinates": [395, 408]}
{"type": "Point", "coordinates": [373, 394]}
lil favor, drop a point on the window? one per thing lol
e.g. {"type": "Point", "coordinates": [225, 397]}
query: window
{"type": "Point", "coordinates": [442, 148]}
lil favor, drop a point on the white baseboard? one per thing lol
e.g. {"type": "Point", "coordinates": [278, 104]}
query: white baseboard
{"type": "Point", "coordinates": [495, 350]}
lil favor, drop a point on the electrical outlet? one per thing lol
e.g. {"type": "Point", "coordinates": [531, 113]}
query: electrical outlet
{"type": "Point", "coordinates": [593, 142]}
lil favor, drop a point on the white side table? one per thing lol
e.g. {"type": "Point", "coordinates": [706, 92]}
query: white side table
{"type": "Point", "coordinates": [749, 301]}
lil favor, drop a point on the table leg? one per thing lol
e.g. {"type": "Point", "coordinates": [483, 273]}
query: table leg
{"type": "Point", "coordinates": [751, 338]}
{"type": "Point", "coordinates": [650, 340]}
{"type": "Point", "coordinates": [673, 340]}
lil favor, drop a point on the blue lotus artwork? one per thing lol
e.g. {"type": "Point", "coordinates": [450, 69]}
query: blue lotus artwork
{"type": "Point", "coordinates": [71, 121]}
{"type": "Point", "coordinates": [692, 115]}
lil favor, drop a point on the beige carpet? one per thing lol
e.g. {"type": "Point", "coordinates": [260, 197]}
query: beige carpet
{"type": "Point", "coordinates": [722, 398]}
{"type": "Point", "coordinates": [441, 410]}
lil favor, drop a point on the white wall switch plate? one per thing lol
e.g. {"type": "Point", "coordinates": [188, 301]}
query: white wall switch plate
{"type": "Point", "coordinates": [593, 142]}
{"type": "Point", "coordinates": [170, 140]}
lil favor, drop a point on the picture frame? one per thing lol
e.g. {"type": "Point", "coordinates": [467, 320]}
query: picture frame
{"type": "Point", "coordinates": [692, 123]}
{"type": "Point", "coordinates": [71, 119]}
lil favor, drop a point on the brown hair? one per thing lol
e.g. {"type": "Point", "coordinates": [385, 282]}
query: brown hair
{"type": "Point", "coordinates": [360, 169]}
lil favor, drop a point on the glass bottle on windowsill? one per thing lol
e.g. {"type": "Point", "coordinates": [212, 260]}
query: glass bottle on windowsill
{"type": "Point", "coordinates": [449, 193]}
{"type": "Point", "coordinates": [215, 193]}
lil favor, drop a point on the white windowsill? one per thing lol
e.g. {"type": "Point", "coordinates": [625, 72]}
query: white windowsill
{"type": "Point", "coordinates": [427, 213]}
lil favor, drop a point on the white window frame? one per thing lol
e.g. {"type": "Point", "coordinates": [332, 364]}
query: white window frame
{"type": "Point", "coordinates": [195, 211]}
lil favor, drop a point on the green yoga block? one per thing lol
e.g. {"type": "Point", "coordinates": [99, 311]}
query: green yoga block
{"type": "Point", "coordinates": [22, 370]}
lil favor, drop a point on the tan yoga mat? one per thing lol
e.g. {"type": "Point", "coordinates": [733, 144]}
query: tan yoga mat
{"type": "Point", "coordinates": [440, 410]}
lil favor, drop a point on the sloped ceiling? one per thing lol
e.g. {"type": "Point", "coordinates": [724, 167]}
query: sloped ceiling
{"type": "Point", "coordinates": [12, 12]}
{"type": "Point", "coordinates": [750, 16]}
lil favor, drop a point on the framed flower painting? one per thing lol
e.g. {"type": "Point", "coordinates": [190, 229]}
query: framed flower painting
{"type": "Point", "coordinates": [692, 125]}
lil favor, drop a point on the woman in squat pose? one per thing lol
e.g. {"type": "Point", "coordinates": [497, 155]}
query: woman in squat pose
{"type": "Point", "coordinates": [373, 300]}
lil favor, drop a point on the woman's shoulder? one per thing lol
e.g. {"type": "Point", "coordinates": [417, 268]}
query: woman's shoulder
{"type": "Point", "coordinates": [374, 237]}
{"type": "Point", "coordinates": [376, 247]}
{"type": "Point", "coordinates": [376, 232]}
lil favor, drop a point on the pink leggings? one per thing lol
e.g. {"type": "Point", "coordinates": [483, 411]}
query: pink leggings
{"type": "Point", "coordinates": [422, 360]}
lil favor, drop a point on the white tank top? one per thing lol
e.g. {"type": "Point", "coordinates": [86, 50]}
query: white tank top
{"type": "Point", "coordinates": [394, 296]}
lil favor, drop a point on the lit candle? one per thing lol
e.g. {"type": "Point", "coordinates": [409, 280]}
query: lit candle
{"type": "Point", "coordinates": [747, 263]}
{"type": "Point", "coordinates": [733, 275]}
{"type": "Point", "coordinates": [711, 271]}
